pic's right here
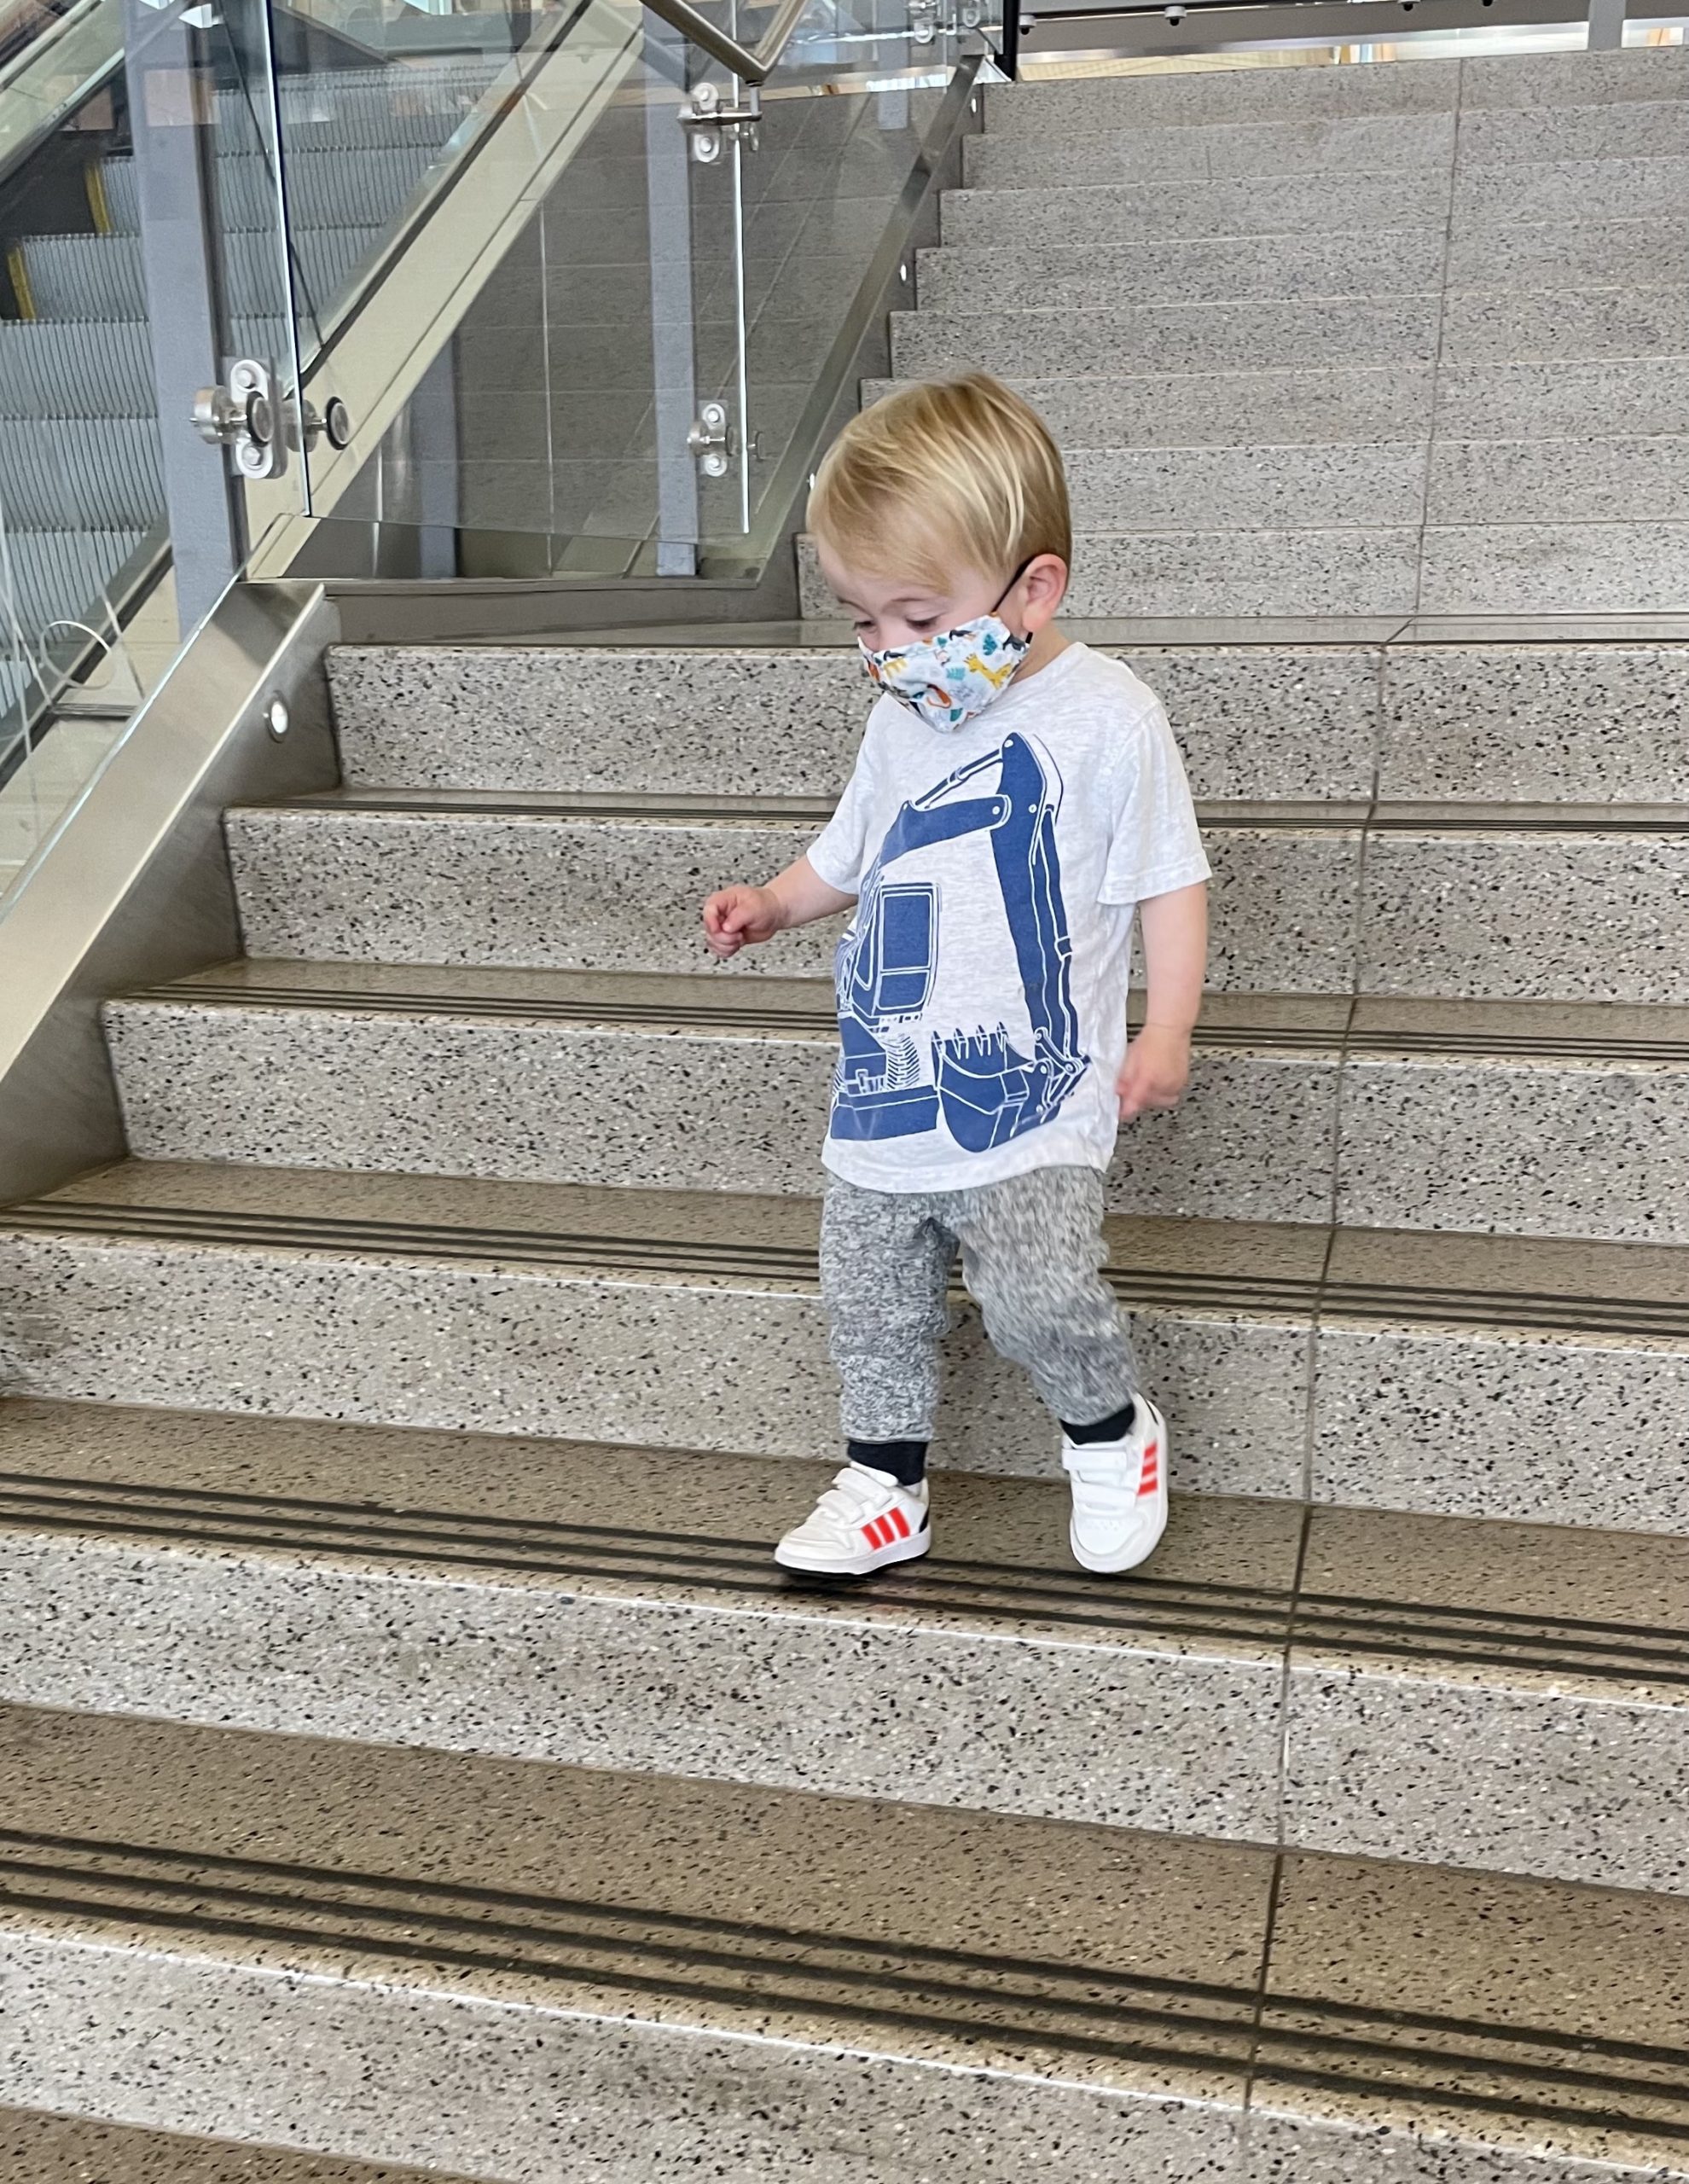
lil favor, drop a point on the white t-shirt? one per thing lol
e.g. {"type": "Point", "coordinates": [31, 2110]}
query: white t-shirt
{"type": "Point", "coordinates": [982, 980]}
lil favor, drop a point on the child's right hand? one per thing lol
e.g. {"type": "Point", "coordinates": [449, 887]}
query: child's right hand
{"type": "Point", "coordinates": [739, 915]}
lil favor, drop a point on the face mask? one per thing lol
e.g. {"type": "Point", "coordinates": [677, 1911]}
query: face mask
{"type": "Point", "coordinates": [950, 678]}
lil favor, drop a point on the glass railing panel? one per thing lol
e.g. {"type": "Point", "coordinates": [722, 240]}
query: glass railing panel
{"type": "Point", "coordinates": [846, 119]}
{"type": "Point", "coordinates": [458, 144]}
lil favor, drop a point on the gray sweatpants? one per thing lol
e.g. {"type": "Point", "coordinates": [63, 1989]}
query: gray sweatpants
{"type": "Point", "coordinates": [1031, 1249]}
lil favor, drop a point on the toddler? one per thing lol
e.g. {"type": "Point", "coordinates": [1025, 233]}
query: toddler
{"type": "Point", "coordinates": [1018, 801]}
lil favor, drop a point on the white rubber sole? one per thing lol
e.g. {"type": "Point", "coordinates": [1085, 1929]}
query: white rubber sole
{"type": "Point", "coordinates": [861, 1565]}
{"type": "Point", "coordinates": [1139, 1548]}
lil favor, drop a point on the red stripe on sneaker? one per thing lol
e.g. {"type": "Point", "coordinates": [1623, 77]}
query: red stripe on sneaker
{"type": "Point", "coordinates": [871, 1534]}
{"type": "Point", "coordinates": [899, 1523]}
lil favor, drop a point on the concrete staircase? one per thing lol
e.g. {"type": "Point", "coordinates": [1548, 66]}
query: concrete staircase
{"type": "Point", "coordinates": [410, 1761]}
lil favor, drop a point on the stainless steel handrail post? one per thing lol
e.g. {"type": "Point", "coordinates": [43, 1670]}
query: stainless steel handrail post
{"type": "Point", "coordinates": [674, 386]}
{"type": "Point", "coordinates": [178, 258]}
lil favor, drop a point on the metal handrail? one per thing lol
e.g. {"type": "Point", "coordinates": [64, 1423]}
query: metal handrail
{"type": "Point", "coordinates": [751, 64]}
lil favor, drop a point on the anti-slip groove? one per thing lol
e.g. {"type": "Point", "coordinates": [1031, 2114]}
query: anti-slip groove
{"type": "Point", "coordinates": [715, 1014]}
{"type": "Point", "coordinates": [1143, 1607]}
{"type": "Point", "coordinates": [612, 1256]}
{"type": "Point", "coordinates": [711, 1016]}
{"type": "Point", "coordinates": [1506, 2072]}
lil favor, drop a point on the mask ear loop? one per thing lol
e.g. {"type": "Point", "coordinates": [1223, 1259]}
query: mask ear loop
{"type": "Point", "coordinates": [1013, 581]}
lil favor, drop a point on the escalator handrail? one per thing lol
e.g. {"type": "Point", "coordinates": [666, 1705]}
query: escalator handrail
{"type": "Point", "coordinates": [43, 57]}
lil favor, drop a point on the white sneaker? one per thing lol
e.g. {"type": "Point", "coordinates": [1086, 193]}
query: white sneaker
{"type": "Point", "coordinates": [863, 1521]}
{"type": "Point", "coordinates": [1119, 1494]}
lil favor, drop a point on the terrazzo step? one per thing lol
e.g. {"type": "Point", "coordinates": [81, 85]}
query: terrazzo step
{"type": "Point", "coordinates": [510, 1598]}
{"type": "Point", "coordinates": [49, 2149]}
{"type": "Point", "coordinates": [1502, 1118]}
{"type": "Point", "coordinates": [1256, 334]}
{"type": "Point", "coordinates": [543, 882]}
{"type": "Point", "coordinates": [1106, 106]}
{"type": "Point", "coordinates": [1110, 213]}
{"type": "Point", "coordinates": [1251, 720]}
{"type": "Point", "coordinates": [1497, 255]}
{"type": "Point", "coordinates": [975, 279]}
{"type": "Point", "coordinates": [562, 1077]}
{"type": "Point", "coordinates": [1219, 151]}
{"type": "Point", "coordinates": [1413, 899]}
{"type": "Point", "coordinates": [516, 1971]}
{"type": "Point", "coordinates": [1444, 1374]}
{"type": "Point", "coordinates": [1499, 722]}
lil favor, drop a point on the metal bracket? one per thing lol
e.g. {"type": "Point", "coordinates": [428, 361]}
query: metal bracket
{"type": "Point", "coordinates": [711, 125]}
{"type": "Point", "coordinates": [258, 424]}
{"type": "Point", "coordinates": [711, 438]}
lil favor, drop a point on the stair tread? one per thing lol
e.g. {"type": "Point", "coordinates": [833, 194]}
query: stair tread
{"type": "Point", "coordinates": [1154, 1967]}
{"type": "Point", "coordinates": [764, 1005]}
{"type": "Point", "coordinates": [1442, 1277]}
{"type": "Point", "coordinates": [49, 2149]}
{"type": "Point", "coordinates": [1501, 1602]}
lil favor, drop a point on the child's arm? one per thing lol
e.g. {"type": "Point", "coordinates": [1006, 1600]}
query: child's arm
{"type": "Point", "coordinates": [1175, 948]}
{"type": "Point", "coordinates": [741, 915]}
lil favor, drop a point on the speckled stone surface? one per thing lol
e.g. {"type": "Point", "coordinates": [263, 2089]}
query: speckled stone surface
{"type": "Point", "coordinates": [1511, 1416]}
{"type": "Point", "coordinates": [390, 2070]}
{"type": "Point", "coordinates": [1329, 330]}
{"type": "Point", "coordinates": [610, 1104]}
{"type": "Point", "coordinates": [1551, 80]}
{"type": "Point", "coordinates": [47, 2149]}
{"type": "Point", "coordinates": [1223, 572]}
{"type": "Point", "coordinates": [1584, 324]}
{"type": "Point", "coordinates": [1355, 2147]}
{"type": "Point", "coordinates": [1206, 99]}
{"type": "Point", "coordinates": [641, 1354]}
{"type": "Point", "coordinates": [1489, 255]}
{"type": "Point", "coordinates": [1523, 403]}
{"type": "Point", "coordinates": [1609, 188]}
{"type": "Point", "coordinates": [1540, 1972]}
{"type": "Point", "coordinates": [1608, 480]}
{"type": "Point", "coordinates": [454, 886]}
{"type": "Point", "coordinates": [1248, 489]}
{"type": "Point", "coordinates": [1399, 261]}
{"type": "Point", "coordinates": [1363, 144]}
{"type": "Point", "coordinates": [1633, 129]}
{"type": "Point", "coordinates": [768, 723]}
{"type": "Point", "coordinates": [1251, 720]}
{"type": "Point", "coordinates": [1571, 723]}
{"type": "Point", "coordinates": [1525, 916]}
{"type": "Point", "coordinates": [1316, 403]}
{"type": "Point", "coordinates": [1563, 568]}
{"type": "Point", "coordinates": [1111, 213]}
{"type": "Point", "coordinates": [1164, 1728]}
{"type": "Point", "coordinates": [1531, 1147]}
{"type": "Point", "coordinates": [501, 2070]}
{"type": "Point", "coordinates": [1529, 1767]}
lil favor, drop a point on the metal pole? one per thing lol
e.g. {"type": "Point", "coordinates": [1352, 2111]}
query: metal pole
{"type": "Point", "coordinates": [1008, 60]}
{"type": "Point", "coordinates": [674, 372]}
{"type": "Point", "coordinates": [178, 256]}
{"type": "Point", "coordinates": [1606, 25]}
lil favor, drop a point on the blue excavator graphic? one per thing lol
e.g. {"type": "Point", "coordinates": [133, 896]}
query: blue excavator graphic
{"type": "Point", "coordinates": [895, 1082]}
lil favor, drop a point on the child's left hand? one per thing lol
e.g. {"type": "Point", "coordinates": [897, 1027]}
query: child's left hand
{"type": "Point", "coordinates": [1158, 1068]}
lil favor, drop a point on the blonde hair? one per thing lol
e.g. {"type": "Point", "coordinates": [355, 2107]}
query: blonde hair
{"type": "Point", "coordinates": [948, 474]}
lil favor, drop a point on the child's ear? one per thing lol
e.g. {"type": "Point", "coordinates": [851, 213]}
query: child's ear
{"type": "Point", "coordinates": [1044, 588]}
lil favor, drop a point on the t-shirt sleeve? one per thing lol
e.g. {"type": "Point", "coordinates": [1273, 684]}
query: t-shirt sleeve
{"type": "Point", "coordinates": [1156, 846]}
{"type": "Point", "coordinates": [839, 853]}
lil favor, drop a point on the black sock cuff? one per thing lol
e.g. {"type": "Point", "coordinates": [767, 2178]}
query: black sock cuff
{"type": "Point", "coordinates": [1114, 1428]}
{"type": "Point", "coordinates": [903, 1461]}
